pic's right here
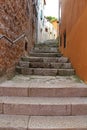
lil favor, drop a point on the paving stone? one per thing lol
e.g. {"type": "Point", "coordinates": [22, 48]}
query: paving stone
{"type": "Point", "coordinates": [61, 65]}
{"type": "Point", "coordinates": [23, 64]}
{"type": "Point", "coordinates": [58, 123]}
{"type": "Point", "coordinates": [27, 71]}
{"type": "Point", "coordinates": [12, 122]}
{"type": "Point", "coordinates": [39, 65]}
{"type": "Point", "coordinates": [11, 88]}
{"type": "Point", "coordinates": [45, 72]}
{"type": "Point", "coordinates": [79, 109]}
{"type": "Point", "coordinates": [65, 72]}
{"type": "Point", "coordinates": [50, 59]}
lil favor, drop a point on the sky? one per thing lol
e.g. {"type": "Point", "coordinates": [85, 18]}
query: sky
{"type": "Point", "coordinates": [51, 8]}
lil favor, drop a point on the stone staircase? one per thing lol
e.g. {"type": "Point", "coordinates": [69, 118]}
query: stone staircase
{"type": "Point", "coordinates": [32, 102]}
{"type": "Point", "coordinates": [43, 103]}
{"type": "Point", "coordinates": [46, 60]}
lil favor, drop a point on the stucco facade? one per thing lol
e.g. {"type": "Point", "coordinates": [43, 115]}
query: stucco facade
{"type": "Point", "coordinates": [49, 32]}
{"type": "Point", "coordinates": [40, 24]}
{"type": "Point", "coordinates": [55, 24]}
{"type": "Point", "coordinates": [73, 34]}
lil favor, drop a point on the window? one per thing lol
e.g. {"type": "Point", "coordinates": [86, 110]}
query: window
{"type": "Point", "coordinates": [60, 40]}
{"type": "Point", "coordinates": [41, 15]}
{"type": "Point", "coordinates": [41, 30]}
{"type": "Point", "coordinates": [64, 35]}
{"type": "Point", "coordinates": [26, 46]}
{"type": "Point", "coordinates": [46, 29]}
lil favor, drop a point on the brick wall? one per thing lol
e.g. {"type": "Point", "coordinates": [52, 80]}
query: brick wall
{"type": "Point", "coordinates": [16, 17]}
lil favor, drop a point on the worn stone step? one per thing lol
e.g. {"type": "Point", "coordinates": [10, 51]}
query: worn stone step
{"type": "Point", "coordinates": [47, 44]}
{"type": "Point", "coordinates": [45, 54]}
{"type": "Point", "coordinates": [58, 123]}
{"type": "Point", "coordinates": [45, 50]}
{"type": "Point", "coordinates": [46, 59]}
{"type": "Point", "coordinates": [44, 71]}
{"type": "Point", "coordinates": [45, 65]}
{"type": "Point", "coordinates": [37, 106]}
{"type": "Point", "coordinates": [12, 122]}
{"type": "Point", "coordinates": [34, 86]}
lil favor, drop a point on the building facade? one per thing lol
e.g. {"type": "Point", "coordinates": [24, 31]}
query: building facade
{"type": "Point", "coordinates": [49, 31]}
{"type": "Point", "coordinates": [40, 24]}
{"type": "Point", "coordinates": [16, 18]}
{"type": "Point", "coordinates": [45, 29]}
{"type": "Point", "coordinates": [55, 24]}
{"type": "Point", "coordinates": [73, 34]}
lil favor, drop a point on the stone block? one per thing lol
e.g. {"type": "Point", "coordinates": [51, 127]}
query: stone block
{"type": "Point", "coordinates": [42, 92]}
{"type": "Point", "coordinates": [39, 65]}
{"type": "Point", "coordinates": [13, 122]}
{"type": "Point", "coordinates": [45, 72]}
{"type": "Point", "coordinates": [66, 72]}
{"type": "Point", "coordinates": [79, 109]}
{"type": "Point", "coordinates": [15, 91]}
{"type": "Point", "coordinates": [63, 59]}
{"type": "Point", "coordinates": [24, 64]}
{"type": "Point", "coordinates": [27, 71]}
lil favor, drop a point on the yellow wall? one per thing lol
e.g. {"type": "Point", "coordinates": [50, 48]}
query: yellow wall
{"type": "Point", "coordinates": [56, 26]}
{"type": "Point", "coordinates": [76, 34]}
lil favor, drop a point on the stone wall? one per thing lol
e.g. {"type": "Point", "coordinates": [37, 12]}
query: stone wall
{"type": "Point", "coordinates": [16, 17]}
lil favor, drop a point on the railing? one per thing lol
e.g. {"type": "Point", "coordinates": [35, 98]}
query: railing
{"type": "Point", "coordinates": [12, 41]}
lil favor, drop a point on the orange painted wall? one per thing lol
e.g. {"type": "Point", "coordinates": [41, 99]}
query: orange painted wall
{"type": "Point", "coordinates": [56, 26]}
{"type": "Point", "coordinates": [74, 21]}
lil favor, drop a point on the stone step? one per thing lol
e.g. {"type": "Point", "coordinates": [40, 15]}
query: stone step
{"type": "Point", "coordinates": [49, 44]}
{"type": "Point", "coordinates": [34, 86]}
{"type": "Point", "coordinates": [45, 65]}
{"type": "Point", "coordinates": [46, 59]}
{"type": "Point", "coordinates": [44, 71]}
{"type": "Point", "coordinates": [43, 106]}
{"type": "Point", "coordinates": [12, 122]}
{"type": "Point", "coordinates": [45, 54]}
{"type": "Point", "coordinates": [45, 50]}
{"type": "Point", "coordinates": [58, 123]}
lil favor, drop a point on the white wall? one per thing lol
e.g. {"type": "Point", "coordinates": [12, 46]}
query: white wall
{"type": "Point", "coordinates": [44, 24]}
{"type": "Point", "coordinates": [40, 20]}
{"type": "Point", "coordinates": [51, 33]}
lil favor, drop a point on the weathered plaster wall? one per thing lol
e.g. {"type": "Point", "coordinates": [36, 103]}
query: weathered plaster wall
{"type": "Point", "coordinates": [74, 22]}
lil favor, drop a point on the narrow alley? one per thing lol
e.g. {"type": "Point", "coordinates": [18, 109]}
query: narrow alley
{"type": "Point", "coordinates": [41, 85]}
